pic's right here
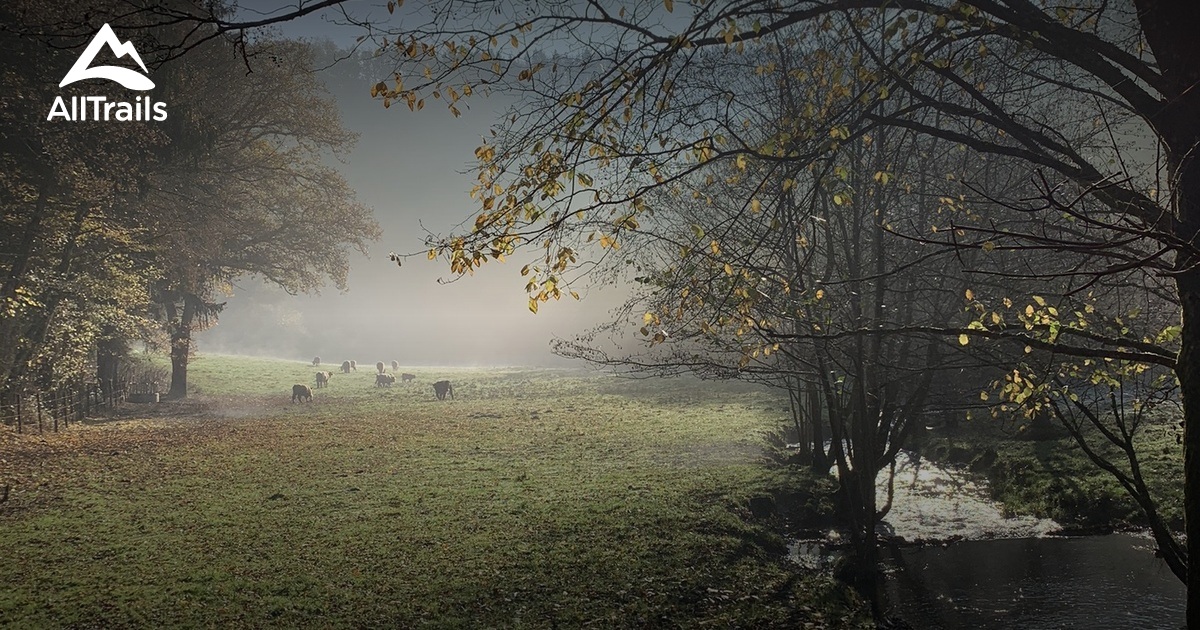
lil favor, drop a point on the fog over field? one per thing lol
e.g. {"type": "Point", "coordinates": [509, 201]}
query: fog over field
{"type": "Point", "coordinates": [413, 169]}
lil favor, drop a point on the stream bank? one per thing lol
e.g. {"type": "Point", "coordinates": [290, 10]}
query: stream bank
{"type": "Point", "coordinates": [954, 558]}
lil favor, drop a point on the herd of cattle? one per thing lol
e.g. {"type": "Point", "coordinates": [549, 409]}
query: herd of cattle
{"type": "Point", "coordinates": [303, 393]}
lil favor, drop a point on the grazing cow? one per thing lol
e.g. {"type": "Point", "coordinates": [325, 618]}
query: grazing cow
{"type": "Point", "coordinates": [316, 361]}
{"type": "Point", "coordinates": [323, 379]}
{"type": "Point", "coordinates": [301, 393]}
{"type": "Point", "coordinates": [354, 365]}
{"type": "Point", "coordinates": [406, 377]}
{"type": "Point", "coordinates": [379, 367]}
{"type": "Point", "coordinates": [441, 388]}
{"type": "Point", "coordinates": [382, 379]}
{"type": "Point", "coordinates": [395, 366]}
{"type": "Point", "coordinates": [345, 367]}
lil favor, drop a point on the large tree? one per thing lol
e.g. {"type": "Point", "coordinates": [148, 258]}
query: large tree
{"type": "Point", "coordinates": [72, 271]}
{"type": "Point", "coordinates": [113, 223]}
{"type": "Point", "coordinates": [246, 189]}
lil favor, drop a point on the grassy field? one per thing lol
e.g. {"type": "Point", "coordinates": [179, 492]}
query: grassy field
{"type": "Point", "coordinates": [534, 499]}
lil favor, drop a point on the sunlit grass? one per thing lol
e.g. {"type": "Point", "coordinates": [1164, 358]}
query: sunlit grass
{"type": "Point", "coordinates": [534, 499]}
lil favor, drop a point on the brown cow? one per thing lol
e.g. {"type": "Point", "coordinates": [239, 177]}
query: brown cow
{"type": "Point", "coordinates": [345, 367]}
{"type": "Point", "coordinates": [323, 379]}
{"type": "Point", "coordinates": [406, 377]}
{"type": "Point", "coordinates": [316, 361]}
{"type": "Point", "coordinates": [441, 388]}
{"type": "Point", "coordinates": [382, 379]}
{"type": "Point", "coordinates": [395, 366]}
{"type": "Point", "coordinates": [301, 392]}
{"type": "Point", "coordinates": [379, 367]}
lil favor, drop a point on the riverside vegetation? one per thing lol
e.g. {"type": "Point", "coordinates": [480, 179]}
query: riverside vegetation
{"type": "Point", "coordinates": [1052, 478]}
{"type": "Point", "coordinates": [535, 499]}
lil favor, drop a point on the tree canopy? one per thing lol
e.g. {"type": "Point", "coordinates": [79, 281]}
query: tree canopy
{"type": "Point", "coordinates": [115, 228]}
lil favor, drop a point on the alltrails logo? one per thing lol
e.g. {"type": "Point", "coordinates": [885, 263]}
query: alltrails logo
{"type": "Point", "coordinates": [99, 107]}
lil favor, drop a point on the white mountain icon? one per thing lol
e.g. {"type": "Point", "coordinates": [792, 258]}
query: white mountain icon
{"type": "Point", "coordinates": [126, 77]}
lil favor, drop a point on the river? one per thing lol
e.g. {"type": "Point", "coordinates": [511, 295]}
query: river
{"type": "Point", "coordinates": [1008, 572]}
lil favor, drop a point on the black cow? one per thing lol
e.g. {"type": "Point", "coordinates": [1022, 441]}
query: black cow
{"type": "Point", "coordinates": [301, 393]}
{"type": "Point", "coordinates": [441, 388]}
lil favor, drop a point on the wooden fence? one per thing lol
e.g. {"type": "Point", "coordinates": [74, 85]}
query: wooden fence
{"type": "Point", "coordinates": [52, 409]}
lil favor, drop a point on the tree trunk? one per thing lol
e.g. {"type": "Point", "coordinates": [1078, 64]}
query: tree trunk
{"type": "Point", "coordinates": [1186, 171]}
{"type": "Point", "coordinates": [1170, 31]}
{"type": "Point", "coordinates": [108, 363]}
{"type": "Point", "coordinates": [1188, 371]}
{"type": "Point", "coordinates": [181, 346]}
{"type": "Point", "coordinates": [799, 419]}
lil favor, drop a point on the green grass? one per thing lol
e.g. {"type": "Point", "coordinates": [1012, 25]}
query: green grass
{"type": "Point", "coordinates": [535, 499]}
{"type": "Point", "coordinates": [1055, 479]}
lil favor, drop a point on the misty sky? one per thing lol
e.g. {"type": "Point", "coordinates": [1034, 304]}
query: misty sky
{"type": "Point", "coordinates": [413, 169]}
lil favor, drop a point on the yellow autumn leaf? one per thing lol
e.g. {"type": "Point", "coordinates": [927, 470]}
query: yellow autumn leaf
{"type": "Point", "coordinates": [963, 339]}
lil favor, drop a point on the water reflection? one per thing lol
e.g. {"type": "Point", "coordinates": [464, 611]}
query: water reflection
{"type": "Point", "coordinates": [941, 503]}
{"type": "Point", "coordinates": [1006, 572]}
{"type": "Point", "coordinates": [1093, 582]}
